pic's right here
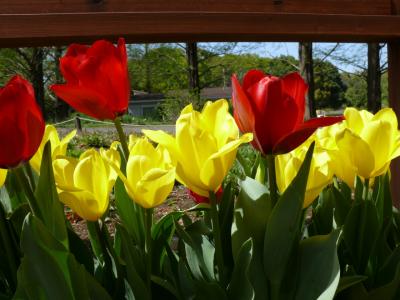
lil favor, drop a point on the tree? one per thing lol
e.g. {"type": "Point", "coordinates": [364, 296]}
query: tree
{"type": "Point", "coordinates": [307, 72]}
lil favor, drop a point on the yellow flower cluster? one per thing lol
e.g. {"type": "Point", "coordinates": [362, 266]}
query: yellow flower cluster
{"type": "Point", "coordinates": [200, 157]}
{"type": "Point", "coordinates": [363, 145]}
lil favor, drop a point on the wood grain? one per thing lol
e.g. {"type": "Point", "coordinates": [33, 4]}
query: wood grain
{"type": "Point", "coordinates": [57, 29]}
{"type": "Point", "coordinates": [361, 7]}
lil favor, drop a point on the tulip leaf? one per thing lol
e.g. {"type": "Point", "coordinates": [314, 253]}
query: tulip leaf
{"type": "Point", "coordinates": [251, 212]}
{"type": "Point", "coordinates": [81, 252]}
{"type": "Point", "coordinates": [133, 261]}
{"type": "Point", "coordinates": [360, 233]}
{"type": "Point", "coordinates": [322, 214]}
{"type": "Point", "coordinates": [11, 195]}
{"type": "Point", "coordinates": [348, 281]}
{"type": "Point", "coordinates": [49, 271]}
{"type": "Point", "coordinates": [284, 225]}
{"type": "Point", "coordinates": [51, 210]}
{"type": "Point", "coordinates": [131, 214]}
{"type": "Point", "coordinates": [240, 287]}
{"type": "Point", "coordinates": [199, 254]}
{"type": "Point", "coordinates": [343, 204]}
{"type": "Point", "coordinates": [383, 200]}
{"type": "Point", "coordinates": [315, 281]}
{"type": "Point", "coordinates": [225, 212]}
{"type": "Point", "coordinates": [161, 234]}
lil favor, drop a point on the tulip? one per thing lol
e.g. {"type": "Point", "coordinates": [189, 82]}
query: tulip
{"type": "Point", "coordinates": [3, 176]}
{"type": "Point", "coordinates": [21, 123]}
{"type": "Point", "coordinates": [320, 174]}
{"type": "Point", "coordinates": [205, 146]}
{"type": "Point", "coordinates": [366, 146]}
{"type": "Point", "coordinates": [272, 109]}
{"type": "Point", "coordinates": [97, 82]}
{"type": "Point", "coordinates": [202, 199]}
{"type": "Point", "coordinates": [84, 184]}
{"type": "Point", "coordinates": [58, 148]}
{"type": "Point", "coordinates": [150, 174]}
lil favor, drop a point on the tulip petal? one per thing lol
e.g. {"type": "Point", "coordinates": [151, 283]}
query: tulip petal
{"type": "Point", "coordinates": [164, 139]}
{"type": "Point", "coordinates": [359, 152]}
{"type": "Point", "coordinates": [302, 133]}
{"type": "Point", "coordinates": [84, 204]}
{"type": "Point", "coordinates": [84, 100]}
{"type": "Point", "coordinates": [295, 86]}
{"type": "Point", "coordinates": [252, 77]}
{"type": "Point", "coordinates": [3, 176]}
{"type": "Point", "coordinates": [244, 112]}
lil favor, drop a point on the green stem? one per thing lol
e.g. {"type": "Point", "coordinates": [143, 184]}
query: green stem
{"type": "Point", "coordinates": [217, 237]}
{"type": "Point", "coordinates": [122, 137]}
{"type": "Point", "coordinates": [26, 187]}
{"type": "Point", "coordinates": [273, 189]}
{"type": "Point", "coordinates": [148, 219]}
{"type": "Point", "coordinates": [366, 189]}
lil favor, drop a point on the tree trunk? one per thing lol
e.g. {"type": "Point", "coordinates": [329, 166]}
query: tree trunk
{"type": "Point", "coordinates": [62, 108]}
{"type": "Point", "coordinates": [147, 68]}
{"type": "Point", "coordinates": [374, 78]}
{"type": "Point", "coordinates": [193, 68]}
{"type": "Point", "coordinates": [307, 72]}
{"type": "Point", "coordinates": [37, 77]}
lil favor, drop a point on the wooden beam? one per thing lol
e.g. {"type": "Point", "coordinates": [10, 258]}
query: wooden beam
{"type": "Point", "coordinates": [394, 102]}
{"type": "Point", "coordinates": [359, 7]}
{"type": "Point", "coordinates": [56, 29]}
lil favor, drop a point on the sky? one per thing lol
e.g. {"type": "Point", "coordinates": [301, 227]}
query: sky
{"type": "Point", "coordinates": [357, 53]}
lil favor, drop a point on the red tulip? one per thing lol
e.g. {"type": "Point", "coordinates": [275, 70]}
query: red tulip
{"type": "Point", "coordinates": [201, 199]}
{"type": "Point", "coordinates": [21, 123]}
{"type": "Point", "coordinates": [97, 82]}
{"type": "Point", "coordinates": [272, 108]}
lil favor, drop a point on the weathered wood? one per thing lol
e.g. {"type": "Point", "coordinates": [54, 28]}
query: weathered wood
{"type": "Point", "coordinates": [361, 7]}
{"type": "Point", "coordinates": [394, 101]}
{"type": "Point", "coordinates": [58, 29]}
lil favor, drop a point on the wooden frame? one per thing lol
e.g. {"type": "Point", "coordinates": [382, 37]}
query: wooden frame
{"type": "Point", "coordinates": [56, 22]}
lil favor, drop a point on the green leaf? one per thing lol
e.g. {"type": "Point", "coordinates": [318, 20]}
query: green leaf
{"type": "Point", "coordinates": [349, 281]}
{"type": "Point", "coordinates": [161, 234]}
{"type": "Point", "coordinates": [319, 270]}
{"type": "Point", "coordinates": [131, 214]}
{"type": "Point", "coordinates": [252, 209]}
{"type": "Point", "coordinates": [134, 263]}
{"type": "Point", "coordinates": [322, 216]}
{"type": "Point", "coordinates": [240, 287]}
{"type": "Point", "coordinates": [81, 252]}
{"type": "Point", "coordinates": [383, 200]}
{"type": "Point", "coordinates": [283, 228]}
{"type": "Point", "coordinates": [360, 233]}
{"type": "Point", "coordinates": [199, 254]}
{"type": "Point", "coordinates": [49, 271]}
{"type": "Point", "coordinates": [11, 195]}
{"type": "Point", "coordinates": [51, 210]}
{"type": "Point", "coordinates": [343, 203]}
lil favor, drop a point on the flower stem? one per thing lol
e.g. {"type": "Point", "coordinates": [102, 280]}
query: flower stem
{"type": "Point", "coordinates": [366, 189]}
{"type": "Point", "coordinates": [217, 237]}
{"type": "Point", "coordinates": [25, 186]}
{"type": "Point", "coordinates": [273, 189]}
{"type": "Point", "coordinates": [148, 219]}
{"type": "Point", "coordinates": [122, 137]}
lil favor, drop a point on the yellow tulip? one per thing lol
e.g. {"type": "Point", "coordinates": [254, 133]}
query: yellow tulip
{"type": "Point", "coordinates": [58, 148]}
{"type": "Point", "coordinates": [85, 184]}
{"type": "Point", "coordinates": [3, 176]}
{"type": "Point", "coordinates": [366, 146]}
{"type": "Point", "coordinates": [320, 175]}
{"type": "Point", "coordinates": [205, 146]}
{"type": "Point", "coordinates": [150, 174]}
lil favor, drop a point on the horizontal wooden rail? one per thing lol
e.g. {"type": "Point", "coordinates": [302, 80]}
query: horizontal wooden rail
{"type": "Point", "coordinates": [55, 29]}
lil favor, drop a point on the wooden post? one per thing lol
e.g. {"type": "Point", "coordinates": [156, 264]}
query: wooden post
{"type": "Point", "coordinates": [394, 101]}
{"type": "Point", "coordinates": [78, 125]}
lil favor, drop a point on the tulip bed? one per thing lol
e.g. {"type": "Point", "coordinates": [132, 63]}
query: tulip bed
{"type": "Point", "coordinates": [311, 219]}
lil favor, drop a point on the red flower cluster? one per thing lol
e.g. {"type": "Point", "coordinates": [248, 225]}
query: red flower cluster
{"type": "Point", "coordinates": [272, 109]}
